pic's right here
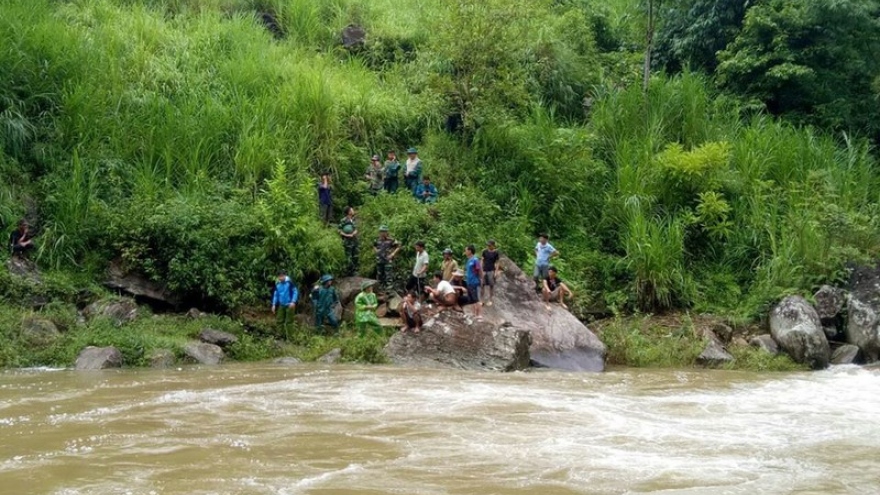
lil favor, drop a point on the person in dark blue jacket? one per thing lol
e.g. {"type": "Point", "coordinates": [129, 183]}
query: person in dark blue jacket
{"type": "Point", "coordinates": [284, 299]}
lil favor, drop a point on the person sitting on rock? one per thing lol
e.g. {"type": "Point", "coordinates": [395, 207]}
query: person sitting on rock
{"type": "Point", "coordinates": [324, 299]}
{"type": "Point", "coordinates": [444, 294]}
{"type": "Point", "coordinates": [426, 192]}
{"type": "Point", "coordinates": [284, 300]}
{"type": "Point", "coordinates": [460, 287]}
{"type": "Point", "coordinates": [365, 305]}
{"type": "Point", "coordinates": [448, 266]}
{"type": "Point", "coordinates": [555, 289]}
{"type": "Point", "coordinates": [410, 313]}
{"type": "Point", "coordinates": [21, 239]}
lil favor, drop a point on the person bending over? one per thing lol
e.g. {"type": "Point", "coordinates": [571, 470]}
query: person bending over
{"type": "Point", "coordinates": [444, 294]}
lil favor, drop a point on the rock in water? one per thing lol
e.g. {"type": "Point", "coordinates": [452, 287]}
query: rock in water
{"type": "Point", "coordinates": [203, 353]}
{"type": "Point", "coordinates": [331, 357]}
{"type": "Point", "coordinates": [559, 340]}
{"type": "Point", "coordinates": [217, 337]}
{"type": "Point", "coordinates": [452, 339]}
{"type": "Point", "coordinates": [845, 354]}
{"type": "Point", "coordinates": [98, 358]}
{"type": "Point", "coordinates": [795, 326]}
{"type": "Point", "coordinates": [38, 331]}
{"type": "Point", "coordinates": [161, 359]}
{"type": "Point", "coordinates": [119, 311]}
{"type": "Point", "coordinates": [863, 312]}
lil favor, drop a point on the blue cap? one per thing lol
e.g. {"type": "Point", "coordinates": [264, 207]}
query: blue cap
{"type": "Point", "coordinates": [326, 278]}
{"type": "Point", "coordinates": [412, 150]}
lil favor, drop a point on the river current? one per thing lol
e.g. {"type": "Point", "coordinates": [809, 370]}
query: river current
{"type": "Point", "coordinates": [345, 430]}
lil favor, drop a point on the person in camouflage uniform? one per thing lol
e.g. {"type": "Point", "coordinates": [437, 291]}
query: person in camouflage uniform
{"type": "Point", "coordinates": [375, 175]}
{"type": "Point", "coordinates": [349, 234]}
{"type": "Point", "coordinates": [386, 249]}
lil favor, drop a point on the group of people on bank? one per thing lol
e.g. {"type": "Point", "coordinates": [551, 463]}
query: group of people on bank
{"type": "Point", "coordinates": [385, 177]}
{"type": "Point", "coordinates": [449, 286]}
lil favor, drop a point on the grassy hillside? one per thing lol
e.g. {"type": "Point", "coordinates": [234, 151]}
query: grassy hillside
{"type": "Point", "coordinates": [184, 138]}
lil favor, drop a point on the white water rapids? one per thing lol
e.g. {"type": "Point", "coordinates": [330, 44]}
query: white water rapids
{"type": "Point", "coordinates": [308, 429]}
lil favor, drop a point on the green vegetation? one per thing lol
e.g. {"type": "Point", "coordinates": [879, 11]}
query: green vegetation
{"type": "Point", "coordinates": [183, 137]}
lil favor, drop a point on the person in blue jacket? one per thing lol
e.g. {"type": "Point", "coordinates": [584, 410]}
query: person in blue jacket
{"type": "Point", "coordinates": [426, 192]}
{"type": "Point", "coordinates": [284, 299]}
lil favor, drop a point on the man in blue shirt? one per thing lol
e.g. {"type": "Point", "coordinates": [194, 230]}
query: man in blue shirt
{"type": "Point", "coordinates": [284, 299]}
{"type": "Point", "coordinates": [543, 253]}
{"type": "Point", "coordinates": [426, 192]}
{"type": "Point", "coordinates": [473, 276]}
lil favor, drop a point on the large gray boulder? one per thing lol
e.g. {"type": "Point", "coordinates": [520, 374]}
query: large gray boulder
{"type": "Point", "coordinates": [38, 331]}
{"type": "Point", "coordinates": [161, 359]}
{"type": "Point", "coordinates": [347, 288]}
{"type": "Point", "coordinates": [795, 326]}
{"type": "Point", "coordinates": [24, 268]}
{"type": "Point", "coordinates": [829, 302]}
{"type": "Point", "coordinates": [559, 340]}
{"type": "Point", "coordinates": [331, 357]}
{"type": "Point", "coordinates": [217, 337]}
{"type": "Point", "coordinates": [203, 353]}
{"type": "Point", "coordinates": [765, 343]}
{"type": "Point", "coordinates": [863, 312]}
{"type": "Point", "coordinates": [119, 311]}
{"type": "Point", "coordinates": [452, 339]}
{"type": "Point", "coordinates": [98, 358]}
{"type": "Point", "coordinates": [136, 285]}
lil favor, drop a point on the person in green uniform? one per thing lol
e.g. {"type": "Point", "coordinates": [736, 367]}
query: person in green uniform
{"type": "Point", "coordinates": [375, 175]}
{"type": "Point", "coordinates": [349, 234]}
{"type": "Point", "coordinates": [386, 249]}
{"type": "Point", "coordinates": [392, 173]}
{"type": "Point", "coordinates": [365, 305]}
{"type": "Point", "coordinates": [324, 299]}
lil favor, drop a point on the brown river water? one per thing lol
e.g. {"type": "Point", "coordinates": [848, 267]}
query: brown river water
{"type": "Point", "coordinates": [311, 429]}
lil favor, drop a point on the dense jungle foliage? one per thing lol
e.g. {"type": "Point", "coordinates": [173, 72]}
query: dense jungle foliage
{"type": "Point", "coordinates": [184, 138]}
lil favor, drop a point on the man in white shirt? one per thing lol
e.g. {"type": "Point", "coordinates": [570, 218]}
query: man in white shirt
{"type": "Point", "coordinates": [416, 281]}
{"type": "Point", "coordinates": [444, 294]}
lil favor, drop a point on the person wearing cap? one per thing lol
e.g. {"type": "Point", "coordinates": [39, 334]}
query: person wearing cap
{"type": "Point", "coordinates": [490, 262]}
{"type": "Point", "coordinates": [416, 280]}
{"type": "Point", "coordinates": [392, 173]}
{"type": "Point", "coordinates": [448, 266]}
{"type": "Point", "coordinates": [413, 173]}
{"type": "Point", "coordinates": [349, 234]}
{"type": "Point", "coordinates": [555, 289]}
{"type": "Point", "coordinates": [426, 192]}
{"type": "Point", "coordinates": [325, 201]}
{"type": "Point", "coordinates": [472, 276]}
{"type": "Point", "coordinates": [543, 253]}
{"type": "Point", "coordinates": [386, 249]}
{"type": "Point", "coordinates": [375, 175]}
{"type": "Point", "coordinates": [284, 299]}
{"type": "Point", "coordinates": [324, 299]}
{"type": "Point", "coordinates": [365, 305]}
{"type": "Point", "coordinates": [444, 294]}
{"type": "Point", "coordinates": [21, 240]}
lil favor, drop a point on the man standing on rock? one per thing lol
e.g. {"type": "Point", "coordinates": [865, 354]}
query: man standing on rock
{"type": "Point", "coordinates": [416, 281]}
{"type": "Point", "coordinates": [349, 234]}
{"type": "Point", "coordinates": [386, 249]}
{"type": "Point", "coordinates": [448, 266]}
{"type": "Point", "coordinates": [543, 253]}
{"type": "Point", "coordinates": [490, 262]}
{"type": "Point", "coordinates": [473, 276]}
{"type": "Point", "coordinates": [324, 299]}
{"type": "Point", "coordinates": [284, 300]}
